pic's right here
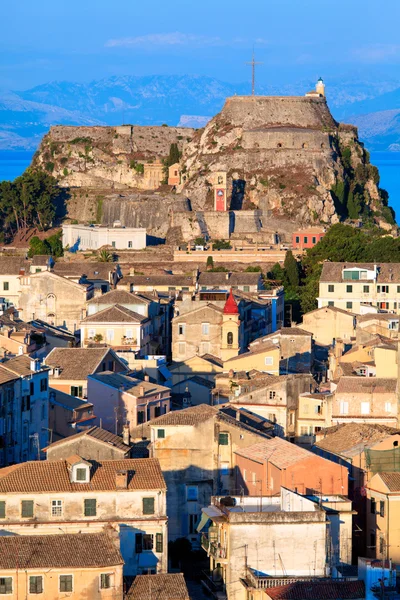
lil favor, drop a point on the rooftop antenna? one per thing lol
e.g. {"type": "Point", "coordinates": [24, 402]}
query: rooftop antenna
{"type": "Point", "coordinates": [253, 64]}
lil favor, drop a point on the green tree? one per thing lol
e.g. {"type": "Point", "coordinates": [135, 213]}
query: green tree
{"type": "Point", "coordinates": [174, 154]}
{"type": "Point", "coordinates": [105, 256]}
{"type": "Point", "coordinates": [210, 262]}
{"type": "Point", "coordinates": [291, 267]}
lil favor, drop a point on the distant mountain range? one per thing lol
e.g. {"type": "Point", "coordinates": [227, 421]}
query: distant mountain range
{"type": "Point", "coordinates": [188, 100]}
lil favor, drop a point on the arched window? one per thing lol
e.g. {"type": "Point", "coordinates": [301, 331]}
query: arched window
{"type": "Point", "coordinates": [322, 145]}
{"type": "Point", "coordinates": [229, 338]}
{"type": "Point", "coordinates": [279, 145]}
{"type": "Point", "coordinates": [304, 145]}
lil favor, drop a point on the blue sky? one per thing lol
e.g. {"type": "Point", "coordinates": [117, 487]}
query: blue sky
{"type": "Point", "coordinates": [82, 40]}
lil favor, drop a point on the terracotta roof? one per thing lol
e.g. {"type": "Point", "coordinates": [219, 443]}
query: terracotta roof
{"type": "Point", "coordinates": [163, 586]}
{"type": "Point", "coordinates": [117, 297]}
{"type": "Point", "coordinates": [366, 385]}
{"type": "Point", "coordinates": [228, 279]}
{"type": "Point", "coordinates": [41, 260]}
{"type": "Point", "coordinates": [69, 551]}
{"type": "Point", "coordinates": [19, 365]}
{"type": "Point", "coordinates": [53, 476]}
{"type": "Point", "coordinates": [377, 317]}
{"type": "Point", "coordinates": [334, 309]}
{"type": "Point", "coordinates": [7, 376]}
{"type": "Point", "coordinates": [213, 359]}
{"type": "Point", "coordinates": [92, 270]}
{"type": "Point", "coordinates": [96, 433]}
{"type": "Point", "coordinates": [199, 380]}
{"type": "Point", "coordinates": [387, 272]}
{"type": "Point", "coordinates": [115, 314]}
{"type": "Point", "coordinates": [188, 416]}
{"type": "Point", "coordinates": [391, 480]}
{"type": "Point", "coordinates": [322, 590]}
{"type": "Point", "coordinates": [11, 265]}
{"type": "Point", "coordinates": [279, 452]}
{"type": "Point", "coordinates": [161, 280]}
{"type": "Point", "coordinates": [77, 363]}
{"type": "Point", "coordinates": [350, 438]}
{"type": "Point", "coordinates": [129, 384]}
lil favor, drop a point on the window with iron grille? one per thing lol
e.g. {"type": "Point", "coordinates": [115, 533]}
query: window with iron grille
{"type": "Point", "coordinates": [90, 507]}
{"type": "Point", "coordinates": [27, 509]}
{"type": "Point", "coordinates": [65, 583]}
{"type": "Point", "coordinates": [6, 586]}
{"type": "Point", "coordinates": [36, 584]}
{"type": "Point", "coordinates": [148, 506]}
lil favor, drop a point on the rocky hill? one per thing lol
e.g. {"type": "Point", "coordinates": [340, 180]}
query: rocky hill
{"type": "Point", "coordinates": [288, 164]}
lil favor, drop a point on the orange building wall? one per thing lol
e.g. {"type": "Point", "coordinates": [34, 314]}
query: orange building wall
{"type": "Point", "coordinates": [311, 474]}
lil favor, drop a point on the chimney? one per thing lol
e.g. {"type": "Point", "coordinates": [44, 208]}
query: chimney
{"type": "Point", "coordinates": [227, 276]}
{"type": "Point", "coordinates": [121, 480]}
{"type": "Point", "coordinates": [132, 271]}
{"type": "Point", "coordinates": [35, 365]}
{"type": "Point", "coordinates": [56, 372]}
{"type": "Point", "coordinates": [141, 391]}
{"type": "Point", "coordinates": [238, 415]}
{"type": "Point", "coordinates": [231, 373]}
{"type": "Point", "coordinates": [146, 378]}
{"type": "Point", "coordinates": [126, 435]}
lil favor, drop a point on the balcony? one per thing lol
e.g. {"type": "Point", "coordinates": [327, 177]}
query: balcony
{"type": "Point", "coordinates": [263, 582]}
{"type": "Point", "coordinates": [213, 548]}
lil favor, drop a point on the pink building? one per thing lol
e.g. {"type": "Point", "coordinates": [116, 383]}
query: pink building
{"type": "Point", "coordinates": [307, 238]}
{"type": "Point", "coordinates": [120, 399]}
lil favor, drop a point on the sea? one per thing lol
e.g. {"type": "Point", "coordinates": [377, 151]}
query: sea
{"type": "Point", "coordinates": [13, 164]}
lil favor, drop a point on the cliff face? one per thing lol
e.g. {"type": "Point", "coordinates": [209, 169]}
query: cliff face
{"type": "Point", "coordinates": [106, 157]}
{"type": "Point", "coordinates": [284, 154]}
{"type": "Point", "coordinates": [288, 164]}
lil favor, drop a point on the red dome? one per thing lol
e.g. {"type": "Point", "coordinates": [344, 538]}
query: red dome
{"type": "Point", "coordinates": [231, 308]}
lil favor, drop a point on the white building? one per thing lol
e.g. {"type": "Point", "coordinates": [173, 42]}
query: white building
{"type": "Point", "coordinates": [78, 495]}
{"type": "Point", "coordinates": [93, 237]}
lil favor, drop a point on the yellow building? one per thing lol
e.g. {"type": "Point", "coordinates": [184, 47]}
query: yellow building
{"type": "Point", "coordinates": [160, 283]}
{"type": "Point", "coordinates": [206, 366]}
{"type": "Point", "coordinates": [360, 287]}
{"type": "Point", "coordinates": [383, 516]}
{"type": "Point", "coordinates": [74, 566]}
{"type": "Point", "coordinates": [263, 357]}
{"type": "Point", "coordinates": [329, 323]}
{"type": "Point", "coordinates": [119, 328]}
{"type": "Point", "coordinates": [313, 414]}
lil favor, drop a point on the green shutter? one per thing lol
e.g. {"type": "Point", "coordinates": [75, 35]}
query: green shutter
{"type": "Point", "coordinates": [223, 439]}
{"type": "Point", "coordinates": [159, 542]}
{"type": "Point", "coordinates": [27, 509]}
{"type": "Point", "coordinates": [148, 506]}
{"type": "Point", "coordinates": [2, 509]}
{"type": "Point", "coordinates": [90, 507]}
{"type": "Point", "coordinates": [161, 433]}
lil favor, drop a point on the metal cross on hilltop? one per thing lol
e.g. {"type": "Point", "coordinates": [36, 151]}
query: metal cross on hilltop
{"type": "Point", "coordinates": [253, 64]}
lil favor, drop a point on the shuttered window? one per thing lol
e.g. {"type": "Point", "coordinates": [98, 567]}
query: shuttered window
{"type": "Point", "coordinates": [90, 507]}
{"type": "Point", "coordinates": [159, 542]}
{"type": "Point", "coordinates": [148, 506]}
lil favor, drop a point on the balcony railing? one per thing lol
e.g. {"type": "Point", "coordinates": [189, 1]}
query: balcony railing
{"type": "Point", "coordinates": [214, 548]}
{"type": "Point", "coordinates": [262, 583]}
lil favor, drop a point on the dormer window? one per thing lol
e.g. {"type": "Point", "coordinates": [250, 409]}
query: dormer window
{"type": "Point", "coordinates": [79, 469]}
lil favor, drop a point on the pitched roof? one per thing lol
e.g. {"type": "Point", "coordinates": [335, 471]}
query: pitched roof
{"type": "Point", "coordinates": [163, 586]}
{"type": "Point", "coordinates": [323, 590]}
{"type": "Point", "coordinates": [231, 307]}
{"type": "Point", "coordinates": [77, 363]}
{"type": "Point", "coordinates": [366, 385]}
{"type": "Point", "coordinates": [161, 280]}
{"type": "Point", "coordinates": [188, 416]}
{"type": "Point", "coordinates": [19, 366]}
{"type": "Point", "coordinates": [95, 433]}
{"type": "Point", "coordinates": [228, 279]}
{"type": "Point", "coordinates": [115, 314]}
{"type": "Point", "coordinates": [129, 384]}
{"type": "Point", "coordinates": [66, 400]}
{"type": "Point", "coordinates": [333, 309]}
{"type": "Point", "coordinates": [53, 476]}
{"type": "Point", "coordinates": [41, 260]}
{"type": "Point", "coordinates": [349, 439]}
{"type": "Point", "coordinates": [92, 270]}
{"type": "Point", "coordinates": [213, 359]}
{"type": "Point", "coordinates": [391, 480]}
{"type": "Point", "coordinates": [387, 272]}
{"type": "Point", "coordinates": [119, 296]}
{"type": "Point", "coordinates": [70, 550]}
{"type": "Point", "coordinates": [279, 452]}
{"type": "Point", "coordinates": [12, 265]}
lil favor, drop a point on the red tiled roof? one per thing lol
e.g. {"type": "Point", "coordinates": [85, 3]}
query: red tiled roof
{"type": "Point", "coordinates": [163, 586]}
{"type": "Point", "coordinates": [54, 476]}
{"type": "Point", "coordinates": [63, 551]}
{"type": "Point", "coordinates": [318, 590]}
{"type": "Point", "coordinates": [231, 308]}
